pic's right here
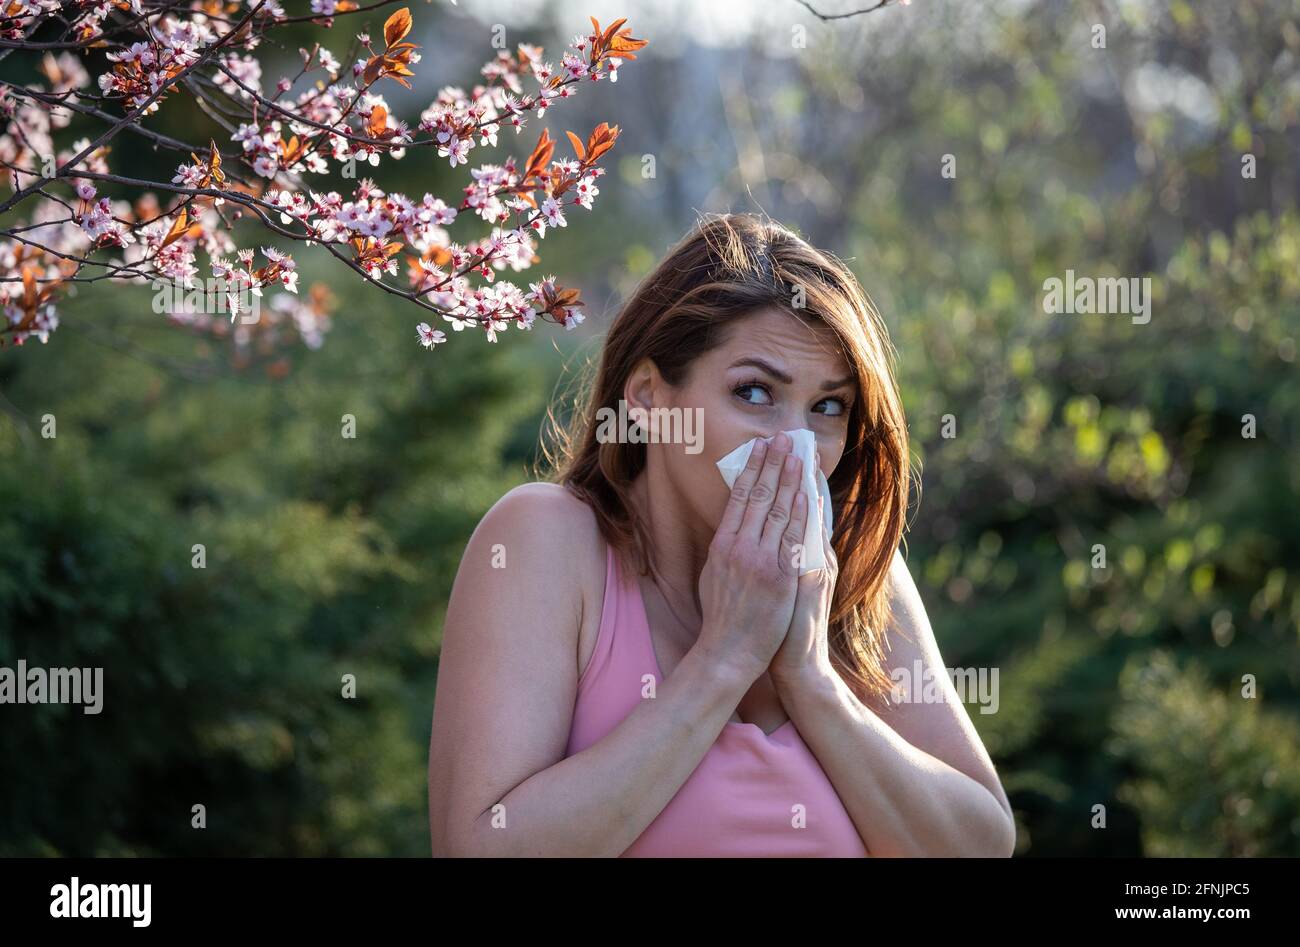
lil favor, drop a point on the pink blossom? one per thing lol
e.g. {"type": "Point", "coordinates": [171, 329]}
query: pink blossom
{"type": "Point", "coordinates": [553, 213]}
{"type": "Point", "coordinates": [585, 191]}
{"type": "Point", "coordinates": [456, 151]}
{"type": "Point", "coordinates": [429, 337]}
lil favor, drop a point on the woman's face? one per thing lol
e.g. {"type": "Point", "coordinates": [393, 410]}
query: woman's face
{"type": "Point", "coordinates": [773, 373]}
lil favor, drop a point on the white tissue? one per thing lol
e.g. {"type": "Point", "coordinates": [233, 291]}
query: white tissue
{"type": "Point", "coordinates": [814, 484]}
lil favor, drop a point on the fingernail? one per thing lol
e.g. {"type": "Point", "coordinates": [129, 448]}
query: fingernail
{"type": "Point", "coordinates": [781, 441]}
{"type": "Point", "coordinates": [790, 463]}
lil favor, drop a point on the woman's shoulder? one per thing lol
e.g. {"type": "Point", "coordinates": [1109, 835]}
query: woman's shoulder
{"type": "Point", "coordinates": [543, 505]}
{"type": "Point", "coordinates": [553, 533]}
{"type": "Point", "coordinates": [547, 519]}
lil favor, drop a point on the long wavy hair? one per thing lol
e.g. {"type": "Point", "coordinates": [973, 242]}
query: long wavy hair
{"type": "Point", "coordinates": [727, 267]}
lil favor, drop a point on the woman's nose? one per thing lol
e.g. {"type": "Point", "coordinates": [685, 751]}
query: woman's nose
{"type": "Point", "coordinates": [793, 423]}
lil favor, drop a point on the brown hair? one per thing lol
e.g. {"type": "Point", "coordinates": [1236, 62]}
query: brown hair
{"type": "Point", "coordinates": [727, 267]}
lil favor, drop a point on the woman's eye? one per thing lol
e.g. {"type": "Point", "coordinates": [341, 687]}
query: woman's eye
{"type": "Point", "coordinates": [743, 393]}
{"type": "Point", "coordinates": [838, 406]}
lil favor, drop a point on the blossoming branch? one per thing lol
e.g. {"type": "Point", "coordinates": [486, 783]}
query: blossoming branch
{"type": "Point", "coordinates": [73, 217]}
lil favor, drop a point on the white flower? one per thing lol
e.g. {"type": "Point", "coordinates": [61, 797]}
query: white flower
{"type": "Point", "coordinates": [553, 213]}
{"type": "Point", "coordinates": [457, 152]}
{"type": "Point", "coordinates": [585, 191]}
{"type": "Point", "coordinates": [429, 337]}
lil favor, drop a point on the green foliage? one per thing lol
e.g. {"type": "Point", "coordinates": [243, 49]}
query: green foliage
{"type": "Point", "coordinates": [1216, 775]}
{"type": "Point", "coordinates": [325, 556]}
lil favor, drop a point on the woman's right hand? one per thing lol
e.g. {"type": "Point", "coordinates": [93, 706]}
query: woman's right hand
{"type": "Point", "coordinates": [749, 581]}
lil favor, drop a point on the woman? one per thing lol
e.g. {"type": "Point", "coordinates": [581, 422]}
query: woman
{"type": "Point", "coordinates": [631, 662]}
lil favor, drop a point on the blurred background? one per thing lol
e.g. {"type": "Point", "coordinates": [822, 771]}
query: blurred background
{"type": "Point", "coordinates": [328, 556]}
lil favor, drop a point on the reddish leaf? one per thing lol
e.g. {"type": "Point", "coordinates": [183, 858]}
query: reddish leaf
{"type": "Point", "coordinates": [577, 145]}
{"type": "Point", "coordinates": [541, 155]}
{"type": "Point", "coordinates": [177, 230]}
{"type": "Point", "coordinates": [613, 29]}
{"type": "Point", "coordinates": [621, 46]}
{"type": "Point", "coordinates": [397, 26]}
{"type": "Point", "coordinates": [217, 174]}
{"type": "Point", "coordinates": [602, 139]}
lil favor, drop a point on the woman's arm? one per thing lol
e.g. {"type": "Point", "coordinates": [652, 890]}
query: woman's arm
{"type": "Point", "coordinates": [507, 680]}
{"type": "Point", "coordinates": [915, 778]}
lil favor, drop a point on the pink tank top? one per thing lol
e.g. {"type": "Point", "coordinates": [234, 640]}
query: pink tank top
{"type": "Point", "coordinates": [752, 795]}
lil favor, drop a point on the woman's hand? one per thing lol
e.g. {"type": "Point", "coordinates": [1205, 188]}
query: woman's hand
{"type": "Point", "coordinates": [804, 655]}
{"type": "Point", "coordinates": [749, 582]}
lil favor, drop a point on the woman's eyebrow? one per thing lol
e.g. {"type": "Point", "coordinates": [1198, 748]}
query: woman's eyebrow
{"type": "Point", "coordinates": [768, 367]}
{"type": "Point", "coordinates": [782, 377]}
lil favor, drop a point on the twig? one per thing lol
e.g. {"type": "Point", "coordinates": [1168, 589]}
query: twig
{"type": "Point", "coordinates": [844, 16]}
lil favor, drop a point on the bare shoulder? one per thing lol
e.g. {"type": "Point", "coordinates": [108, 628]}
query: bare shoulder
{"type": "Point", "coordinates": [548, 525]}
{"type": "Point", "coordinates": [539, 538]}
{"type": "Point", "coordinates": [543, 508]}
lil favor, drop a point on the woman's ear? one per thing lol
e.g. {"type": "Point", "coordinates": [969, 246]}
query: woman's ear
{"type": "Point", "coordinates": [642, 391]}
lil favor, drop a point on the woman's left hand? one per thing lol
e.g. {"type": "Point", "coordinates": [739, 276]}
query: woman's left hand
{"type": "Point", "coordinates": [804, 655]}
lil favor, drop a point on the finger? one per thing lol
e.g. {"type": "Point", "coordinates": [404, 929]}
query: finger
{"type": "Point", "coordinates": [734, 514]}
{"type": "Point", "coordinates": [764, 491]}
{"type": "Point", "coordinates": [778, 516]}
{"type": "Point", "coordinates": [792, 552]}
